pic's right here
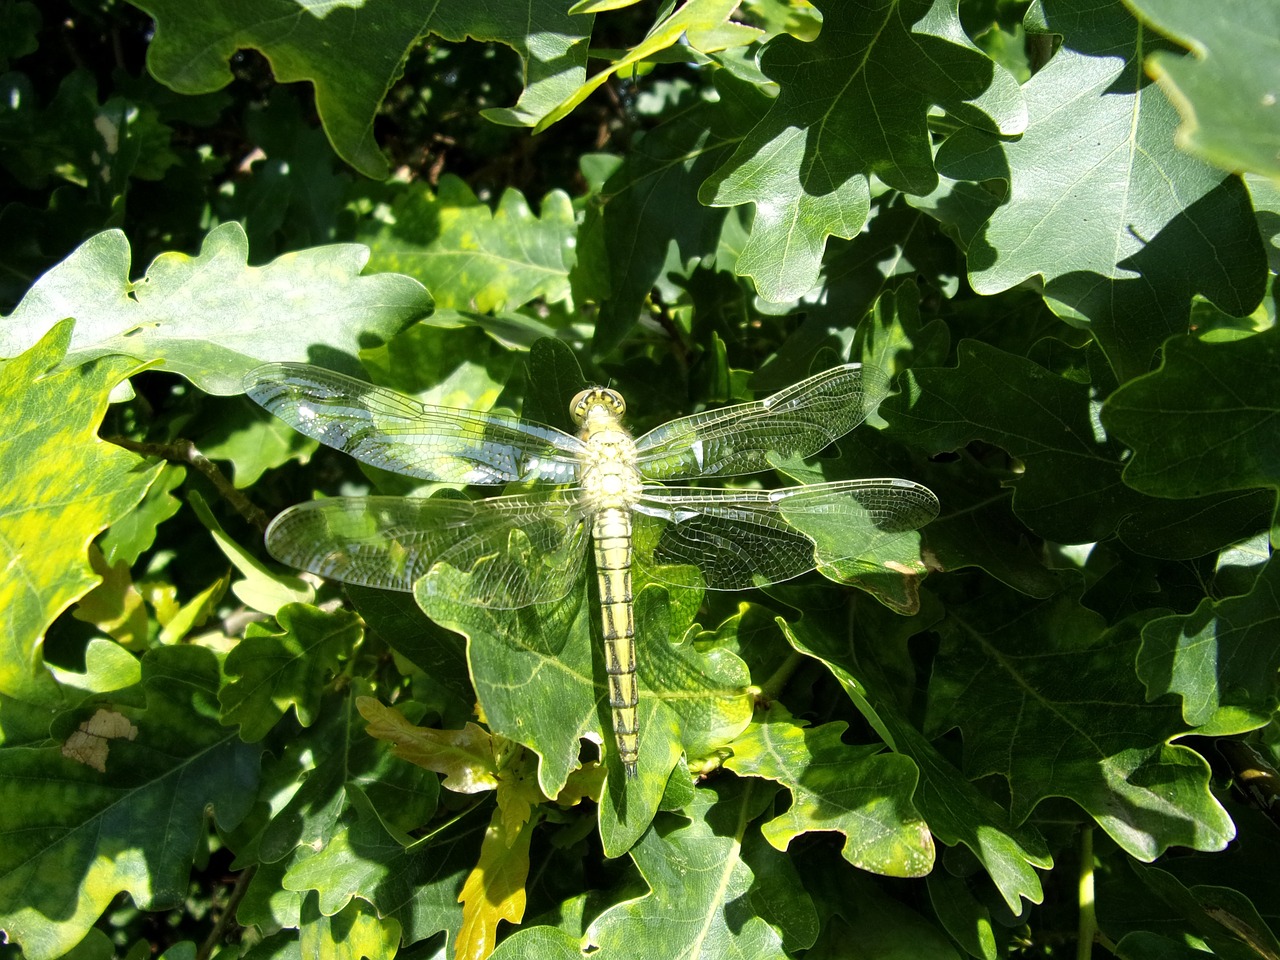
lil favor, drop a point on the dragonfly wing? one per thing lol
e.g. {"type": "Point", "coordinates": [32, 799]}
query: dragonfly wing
{"type": "Point", "coordinates": [749, 538]}
{"type": "Point", "coordinates": [394, 432]}
{"type": "Point", "coordinates": [517, 550]}
{"type": "Point", "coordinates": [798, 421]}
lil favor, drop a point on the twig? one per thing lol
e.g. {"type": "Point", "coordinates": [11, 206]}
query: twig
{"type": "Point", "coordinates": [184, 451]}
{"type": "Point", "coordinates": [228, 915]}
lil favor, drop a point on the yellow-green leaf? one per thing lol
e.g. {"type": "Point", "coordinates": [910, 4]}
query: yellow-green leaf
{"type": "Point", "coordinates": [60, 486]}
{"type": "Point", "coordinates": [464, 756]}
{"type": "Point", "coordinates": [494, 890]}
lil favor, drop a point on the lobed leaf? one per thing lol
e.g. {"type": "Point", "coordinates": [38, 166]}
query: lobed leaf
{"type": "Point", "coordinates": [474, 258]}
{"type": "Point", "coordinates": [1226, 91]}
{"type": "Point", "coordinates": [77, 833]}
{"type": "Point", "coordinates": [211, 317]}
{"type": "Point", "coordinates": [195, 41]}
{"type": "Point", "coordinates": [289, 667]}
{"type": "Point", "coordinates": [1122, 227]}
{"type": "Point", "coordinates": [856, 791]}
{"type": "Point", "coordinates": [852, 103]}
{"type": "Point", "coordinates": [60, 486]}
{"type": "Point", "coordinates": [1049, 699]}
{"type": "Point", "coordinates": [1221, 659]}
{"type": "Point", "coordinates": [1207, 421]}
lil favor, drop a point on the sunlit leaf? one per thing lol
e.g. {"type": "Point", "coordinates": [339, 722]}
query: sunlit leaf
{"type": "Point", "coordinates": [60, 486]}
{"type": "Point", "coordinates": [212, 317]}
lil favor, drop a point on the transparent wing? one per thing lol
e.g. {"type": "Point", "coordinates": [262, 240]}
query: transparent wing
{"type": "Point", "coordinates": [750, 538]}
{"type": "Point", "coordinates": [395, 432]}
{"type": "Point", "coordinates": [518, 550]}
{"type": "Point", "coordinates": [798, 421]}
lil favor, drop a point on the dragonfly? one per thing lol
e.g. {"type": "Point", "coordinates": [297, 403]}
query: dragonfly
{"type": "Point", "coordinates": [605, 488]}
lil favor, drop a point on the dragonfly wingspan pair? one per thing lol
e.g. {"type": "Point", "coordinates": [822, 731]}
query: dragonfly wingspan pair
{"type": "Point", "coordinates": [530, 548]}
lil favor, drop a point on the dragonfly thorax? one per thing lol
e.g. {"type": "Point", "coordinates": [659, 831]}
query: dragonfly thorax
{"type": "Point", "coordinates": [608, 472]}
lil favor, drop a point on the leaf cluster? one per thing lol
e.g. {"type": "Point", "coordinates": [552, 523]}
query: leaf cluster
{"type": "Point", "coordinates": [1053, 224]}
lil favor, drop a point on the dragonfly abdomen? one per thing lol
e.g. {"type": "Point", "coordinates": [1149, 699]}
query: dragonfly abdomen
{"type": "Point", "coordinates": [611, 534]}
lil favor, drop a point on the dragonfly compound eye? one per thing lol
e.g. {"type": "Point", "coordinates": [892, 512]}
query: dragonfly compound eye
{"type": "Point", "coordinates": [596, 396]}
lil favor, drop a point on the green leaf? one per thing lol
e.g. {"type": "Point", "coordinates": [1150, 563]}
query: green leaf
{"type": "Point", "coordinates": [553, 376]}
{"type": "Point", "coordinates": [212, 318]}
{"type": "Point", "coordinates": [417, 885]}
{"type": "Point", "coordinates": [1122, 227]}
{"type": "Point", "coordinates": [107, 667]}
{"type": "Point", "coordinates": [1207, 421]}
{"type": "Point", "coordinates": [652, 223]}
{"type": "Point", "coordinates": [261, 589]}
{"type": "Point", "coordinates": [474, 258]}
{"type": "Point", "coordinates": [78, 836]}
{"type": "Point", "coordinates": [255, 442]}
{"type": "Point", "coordinates": [696, 874]}
{"type": "Point", "coordinates": [1071, 489]}
{"type": "Point", "coordinates": [1226, 92]}
{"type": "Point", "coordinates": [955, 810]}
{"type": "Point", "coordinates": [1049, 700]}
{"type": "Point", "coordinates": [436, 652]}
{"type": "Point", "coordinates": [1228, 923]}
{"type": "Point", "coordinates": [80, 138]}
{"type": "Point", "coordinates": [858, 791]}
{"type": "Point", "coordinates": [1220, 660]}
{"type": "Point", "coordinates": [285, 668]}
{"type": "Point", "coordinates": [21, 20]}
{"type": "Point", "coordinates": [129, 537]}
{"type": "Point", "coordinates": [538, 943]}
{"type": "Point", "coordinates": [706, 689]}
{"type": "Point", "coordinates": [702, 23]}
{"type": "Point", "coordinates": [330, 758]}
{"type": "Point", "coordinates": [533, 671]}
{"type": "Point", "coordinates": [880, 924]}
{"type": "Point", "coordinates": [852, 103]}
{"type": "Point", "coordinates": [60, 486]}
{"type": "Point", "coordinates": [195, 41]}
{"type": "Point", "coordinates": [355, 932]}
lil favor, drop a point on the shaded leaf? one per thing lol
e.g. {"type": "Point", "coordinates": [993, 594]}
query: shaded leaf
{"type": "Point", "coordinates": [417, 885]}
{"type": "Point", "coordinates": [1049, 700]}
{"type": "Point", "coordinates": [1071, 489]}
{"type": "Point", "coordinates": [701, 23]}
{"type": "Point", "coordinates": [955, 810]}
{"type": "Point", "coordinates": [330, 758]}
{"type": "Point", "coordinates": [1221, 660]}
{"type": "Point", "coordinates": [1226, 920]}
{"type": "Point", "coordinates": [1207, 421]}
{"type": "Point", "coordinates": [279, 669]}
{"type": "Point", "coordinates": [76, 837]}
{"type": "Point", "coordinates": [651, 220]}
{"type": "Point", "coordinates": [195, 41]}
{"type": "Point", "coordinates": [1122, 227]}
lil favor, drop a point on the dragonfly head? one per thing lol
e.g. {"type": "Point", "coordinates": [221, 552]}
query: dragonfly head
{"type": "Point", "coordinates": [600, 400]}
